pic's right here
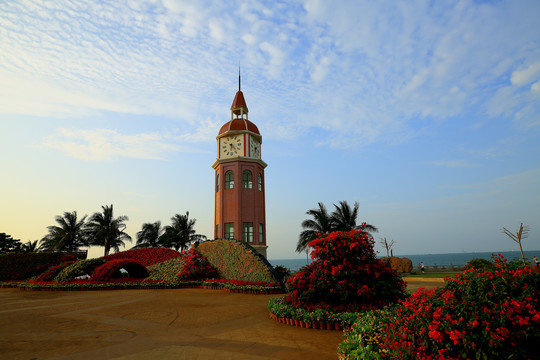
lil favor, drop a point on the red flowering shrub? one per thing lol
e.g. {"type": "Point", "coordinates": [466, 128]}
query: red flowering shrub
{"type": "Point", "coordinates": [480, 314]}
{"type": "Point", "coordinates": [346, 276]}
{"type": "Point", "coordinates": [196, 267]}
{"type": "Point", "coordinates": [50, 273]}
{"type": "Point", "coordinates": [146, 256]}
{"type": "Point", "coordinates": [20, 266]}
{"type": "Point", "coordinates": [111, 269]}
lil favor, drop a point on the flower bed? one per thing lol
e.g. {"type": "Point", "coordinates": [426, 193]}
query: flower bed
{"type": "Point", "coordinates": [235, 260]}
{"type": "Point", "coordinates": [322, 319]}
{"type": "Point", "coordinates": [480, 314]}
{"type": "Point", "coordinates": [131, 283]}
{"type": "Point", "coordinates": [145, 256]}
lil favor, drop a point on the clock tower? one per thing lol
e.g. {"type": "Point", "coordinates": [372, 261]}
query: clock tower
{"type": "Point", "coordinates": [239, 180]}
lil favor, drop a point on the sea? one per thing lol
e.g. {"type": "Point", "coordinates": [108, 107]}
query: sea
{"type": "Point", "coordinates": [429, 259]}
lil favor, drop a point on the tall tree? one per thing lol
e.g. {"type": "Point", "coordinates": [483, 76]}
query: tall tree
{"type": "Point", "coordinates": [320, 223]}
{"type": "Point", "coordinates": [68, 235]}
{"type": "Point", "coordinates": [181, 232]}
{"type": "Point", "coordinates": [150, 235]}
{"type": "Point", "coordinates": [104, 230]}
{"type": "Point", "coordinates": [7, 243]}
{"type": "Point", "coordinates": [344, 218]}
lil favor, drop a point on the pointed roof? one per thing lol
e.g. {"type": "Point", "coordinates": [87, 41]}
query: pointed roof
{"type": "Point", "coordinates": [239, 102]}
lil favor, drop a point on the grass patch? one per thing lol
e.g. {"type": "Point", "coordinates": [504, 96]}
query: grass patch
{"type": "Point", "coordinates": [432, 275]}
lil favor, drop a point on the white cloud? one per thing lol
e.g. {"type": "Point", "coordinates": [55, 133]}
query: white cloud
{"type": "Point", "coordinates": [104, 144]}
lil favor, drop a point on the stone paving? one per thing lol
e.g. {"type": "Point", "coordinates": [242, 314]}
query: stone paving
{"type": "Point", "coordinates": [154, 324]}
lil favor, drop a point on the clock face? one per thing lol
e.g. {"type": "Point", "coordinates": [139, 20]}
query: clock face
{"type": "Point", "coordinates": [255, 148]}
{"type": "Point", "coordinates": [231, 146]}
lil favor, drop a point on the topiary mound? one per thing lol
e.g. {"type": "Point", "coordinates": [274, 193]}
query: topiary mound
{"type": "Point", "coordinates": [346, 276]}
{"type": "Point", "coordinates": [145, 256]}
{"type": "Point", "coordinates": [197, 267]}
{"type": "Point", "coordinates": [480, 314]}
{"type": "Point", "coordinates": [111, 270]}
{"type": "Point", "coordinates": [167, 270]}
{"type": "Point", "coordinates": [235, 260]}
{"type": "Point", "coordinates": [79, 268]}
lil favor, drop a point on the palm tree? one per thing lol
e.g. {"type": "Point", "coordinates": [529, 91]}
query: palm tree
{"type": "Point", "coordinates": [31, 246]}
{"type": "Point", "coordinates": [69, 235]}
{"type": "Point", "coordinates": [181, 232]}
{"type": "Point", "coordinates": [104, 230]}
{"type": "Point", "coordinates": [320, 224]}
{"type": "Point", "coordinates": [150, 235]}
{"type": "Point", "coordinates": [344, 218]}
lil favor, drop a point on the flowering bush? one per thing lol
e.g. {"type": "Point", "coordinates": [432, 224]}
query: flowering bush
{"type": "Point", "coordinates": [346, 276]}
{"type": "Point", "coordinates": [79, 268]}
{"type": "Point", "coordinates": [235, 260]}
{"type": "Point", "coordinates": [145, 256]}
{"type": "Point", "coordinates": [196, 267]}
{"type": "Point", "coordinates": [480, 314]}
{"type": "Point", "coordinates": [51, 272]}
{"type": "Point", "coordinates": [111, 269]}
{"type": "Point", "coordinates": [167, 270]}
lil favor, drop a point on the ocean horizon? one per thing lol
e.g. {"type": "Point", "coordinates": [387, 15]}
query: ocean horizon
{"type": "Point", "coordinates": [428, 259]}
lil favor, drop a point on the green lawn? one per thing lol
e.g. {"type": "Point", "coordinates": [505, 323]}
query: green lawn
{"type": "Point", "coordinates": [432, 275]}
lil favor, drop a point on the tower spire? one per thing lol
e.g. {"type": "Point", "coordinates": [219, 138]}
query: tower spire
{"type": "Point", "coordinates": [239, 89]}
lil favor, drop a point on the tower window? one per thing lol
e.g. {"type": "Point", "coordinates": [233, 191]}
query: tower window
{"type": "Point", "coordinates": [247, 179]}
{"type": "Point", "coordinates": [260, 182]}
{"type": "Point", "coordinates": [229, 231]}
{"type": "Point", "coordinates": [261, 234]}
{"type": "Point", "coordinates": [248, 232]}
{"type": "Point", "coordinates": [217, 183]}
{"type": "Point", "coordinates": [229, 180]}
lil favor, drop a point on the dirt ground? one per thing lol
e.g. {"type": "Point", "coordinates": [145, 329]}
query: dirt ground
{"type": "Point", "coordinates": [154, 324]}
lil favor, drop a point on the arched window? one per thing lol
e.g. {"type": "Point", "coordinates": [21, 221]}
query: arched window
{"type": "Point", "coordinates": [247, 179]}
{"type": "Point", "coordinates": [229, 180]}
{"type": "Point", "coordinates": [260, 182]}
{"type": "Point", "coordinates": [217, 183]}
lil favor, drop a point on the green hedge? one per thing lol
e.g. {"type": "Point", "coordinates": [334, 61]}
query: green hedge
{"type": "Point", "coordinates": [79, 268]}
{"type": "Point", "coordinates": [19, 266]}
{"type": "Point", "coordinates": [235, 260]}
{"type": "Point", "coordinates": [167, 270]}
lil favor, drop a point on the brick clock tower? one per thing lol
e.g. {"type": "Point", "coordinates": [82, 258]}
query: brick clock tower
{"type": "Point", "coordinates": [239, 180]}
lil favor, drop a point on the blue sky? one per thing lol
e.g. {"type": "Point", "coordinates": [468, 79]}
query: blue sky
{"type": "Point", "coordinates": [426, 113]}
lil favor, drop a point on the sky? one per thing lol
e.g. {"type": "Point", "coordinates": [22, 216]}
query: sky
{"type": "Point", "coordinates": [427, 113]}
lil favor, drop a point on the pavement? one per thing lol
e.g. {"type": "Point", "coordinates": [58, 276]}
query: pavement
{"type": "Point", "coordinates": [154, 324]}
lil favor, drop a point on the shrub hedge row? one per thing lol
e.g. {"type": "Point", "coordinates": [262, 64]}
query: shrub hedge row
{"type": "Point", "coordinates": [146, 256]}
{"type": "Point", "coordinates": [20, 266]}
{"type": "Point", "coordinates": [80, 268]}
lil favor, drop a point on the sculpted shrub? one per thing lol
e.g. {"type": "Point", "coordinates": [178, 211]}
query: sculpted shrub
{"type": "Point", "coordinates": [167, 270]}
{"type": "Point", "coordinates": [345, 276]}
{"type": "Point", "coordinates": [79, 268]}
{"type": "Point", "coordinates": [51, 272]}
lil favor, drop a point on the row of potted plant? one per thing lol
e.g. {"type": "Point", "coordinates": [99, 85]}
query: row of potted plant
{"type": "Point", "coordinates": [318, 318]}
